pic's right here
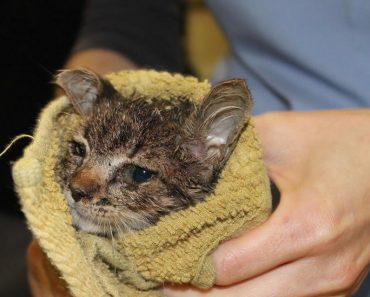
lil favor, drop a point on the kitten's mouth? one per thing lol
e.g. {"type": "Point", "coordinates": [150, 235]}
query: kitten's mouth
{"type": "Point", "coordinates": [107, 225]}
{"type": "Point", "coordinates": [84, 222]}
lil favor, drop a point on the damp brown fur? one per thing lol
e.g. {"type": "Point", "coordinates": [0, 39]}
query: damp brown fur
{"type": "Point", "coordinates": [133, 160]}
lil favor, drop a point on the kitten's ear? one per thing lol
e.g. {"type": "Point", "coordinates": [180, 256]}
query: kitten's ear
{"type": "Point", "coordinates": [82, 87]}
{"type": "Point", "coordinates": [221, 118]}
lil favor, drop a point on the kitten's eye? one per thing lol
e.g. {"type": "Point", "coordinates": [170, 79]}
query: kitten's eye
{"type": "Point", "coordinates": [140, 175]}
{"type": "Point", "coordinates": [136, 175]}
{"type": "Point", "coordinates": [78, 149]}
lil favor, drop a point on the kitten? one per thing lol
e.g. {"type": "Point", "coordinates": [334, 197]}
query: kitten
{"type": "Point", "coordinates": [133, 160]}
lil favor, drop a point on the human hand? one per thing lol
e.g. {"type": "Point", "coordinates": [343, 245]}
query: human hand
{"type": "Point", "coordinates": [316, 243]}
{"type": "Point", "coordinates": [43, 278]}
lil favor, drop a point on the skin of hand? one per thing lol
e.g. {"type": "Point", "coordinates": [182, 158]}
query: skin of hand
{"type": "Point", "coordinates": [317, 242]}
{"type": "Point", "coordinates": [43, 279]}
{"type": "Point", "coordinates": [100, 60]}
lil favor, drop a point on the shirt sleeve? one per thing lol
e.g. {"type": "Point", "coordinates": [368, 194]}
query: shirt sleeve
{"type": "Point", "coordinates": [149, 32]}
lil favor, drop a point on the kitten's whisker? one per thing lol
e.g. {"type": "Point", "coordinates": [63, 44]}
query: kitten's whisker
{"type": "Point", "coordinates": [67, 113]}
{"type": "Point", "coordinates": [113, 246]}
{"type": "Point", "coordinates": [125, 225]}
{"type": "Point", "coordinates": [101, 224]}
{"type": "Point", "coordinates": [135, 218]}
{"type": "Point", "coordinates": [116, 227]}
{"type": "Point", "coordinates": [120, 230]}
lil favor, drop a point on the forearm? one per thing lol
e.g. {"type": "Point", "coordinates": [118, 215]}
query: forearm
{"type": "Point", "coordinates": [100, 60]}
{"type": "Point", "coordinates": [118, 35]}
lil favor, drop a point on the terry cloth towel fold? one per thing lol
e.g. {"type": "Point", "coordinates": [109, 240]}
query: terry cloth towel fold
{"type": "Point", "coordinates": [177, 248]}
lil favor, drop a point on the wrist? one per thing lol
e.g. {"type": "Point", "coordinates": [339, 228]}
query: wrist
{"type": "Point", "coordinates": [100, 60]}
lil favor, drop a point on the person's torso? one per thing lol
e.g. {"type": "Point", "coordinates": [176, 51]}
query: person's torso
{"type": "Point", "coordinates": [298, 55]}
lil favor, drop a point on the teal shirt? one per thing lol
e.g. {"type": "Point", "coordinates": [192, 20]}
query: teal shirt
{"type": "Point", "coordinates": [298, 55]}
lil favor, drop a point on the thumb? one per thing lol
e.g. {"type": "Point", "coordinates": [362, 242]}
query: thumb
{"type": "Point", "coordinates": [259, 250]}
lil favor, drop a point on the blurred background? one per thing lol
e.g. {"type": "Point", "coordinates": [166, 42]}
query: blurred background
{"type": "Point", "coordinates": [36, 38]}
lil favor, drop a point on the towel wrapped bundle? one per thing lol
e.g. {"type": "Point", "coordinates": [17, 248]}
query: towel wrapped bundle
{"type": "Point", "coordinates": [177, 249]}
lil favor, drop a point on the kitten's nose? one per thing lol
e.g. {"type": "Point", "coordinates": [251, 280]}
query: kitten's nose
{"type": "Point", "coordinates": [78, 194]}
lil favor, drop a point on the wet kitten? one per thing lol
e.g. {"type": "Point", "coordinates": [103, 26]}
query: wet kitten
{"type": "Point", "coordinates": [133, 160]}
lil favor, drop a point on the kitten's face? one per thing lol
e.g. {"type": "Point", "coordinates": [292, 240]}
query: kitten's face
{"type": "Point", "coordinates": [132, 161]}
{"type": "Point", "coordinates": [126, 167]}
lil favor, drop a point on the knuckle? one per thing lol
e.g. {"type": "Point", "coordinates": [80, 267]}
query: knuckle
{"type": "Point", "coordinates": [229, 262]}
{"type": "Point", "coordinates": [344, 276]}
{"type": "Point", "coordinates": [325, 234]}
{"type": "Point", "coordinates": [322, 231]}
{"type": "Point", "coordinates": [319, 223]}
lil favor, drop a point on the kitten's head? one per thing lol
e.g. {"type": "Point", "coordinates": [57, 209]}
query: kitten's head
{"type": "Point", "coordinates": [132, 160]}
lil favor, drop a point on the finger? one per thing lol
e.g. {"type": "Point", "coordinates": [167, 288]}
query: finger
{"type": "Point", "coordinates": [35, 269]}
{"type": "Point", "coordinates": [325, 275]}
{"type": "Point", "coordinates": [296, 279]}
{"type": "Point", "coordinates": [284, 237]}
{"type": "Point", "coordinates": [42, 276]}
{"type": "Point", "coordinates": [304, 278]}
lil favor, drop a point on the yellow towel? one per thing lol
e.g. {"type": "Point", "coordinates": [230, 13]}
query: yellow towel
{"type": "Point", "coordinates": [177, 248]}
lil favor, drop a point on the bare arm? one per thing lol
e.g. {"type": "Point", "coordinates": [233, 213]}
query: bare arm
{"type": "Point", "coordinates": [101, 61]}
